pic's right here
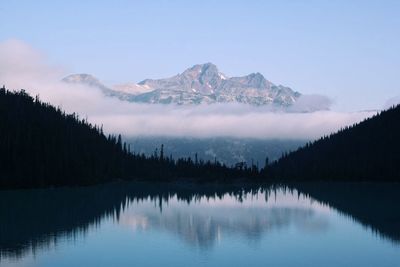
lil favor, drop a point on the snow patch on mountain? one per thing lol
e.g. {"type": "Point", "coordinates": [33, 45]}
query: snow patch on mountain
{"type": "Point", "coordinates": [200, 84]}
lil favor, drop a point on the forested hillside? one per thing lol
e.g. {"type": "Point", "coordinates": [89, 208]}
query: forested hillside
{"type": "Point", "coordinates": [40, 145]}
{"type": "Point", "coordinates": [368, 151]}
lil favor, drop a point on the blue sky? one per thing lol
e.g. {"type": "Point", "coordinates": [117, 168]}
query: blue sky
{"type": "Point", "coordinates": [347, 50]}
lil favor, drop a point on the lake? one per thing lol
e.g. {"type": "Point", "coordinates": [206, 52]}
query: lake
{"type": "Point", "coordinates": [139, 224]}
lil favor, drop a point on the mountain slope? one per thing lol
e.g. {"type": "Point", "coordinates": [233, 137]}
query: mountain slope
{"type": "Point", "coordinates": [202, 83]}
{"type": "Point", "coordinates": [40, 145]}
{"type": "Point", "coordinates": [368, 151]}
{"type": "Point", "coordinates": [226, 149]}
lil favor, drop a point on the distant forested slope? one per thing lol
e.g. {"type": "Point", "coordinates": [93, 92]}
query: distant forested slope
{"type": "Point", "coordinates": [228, 150]}
{"type": "Point", "coordinates": [368, 151]}
{"type": "Point", "coordinates": [40, 145]}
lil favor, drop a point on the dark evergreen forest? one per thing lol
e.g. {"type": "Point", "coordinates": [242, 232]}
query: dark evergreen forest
{"type": "Point", "coordinates": [41, 146]}
{"type": "Point", "coordinates": [367, 151]}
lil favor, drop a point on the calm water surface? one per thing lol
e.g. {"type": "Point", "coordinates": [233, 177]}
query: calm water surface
{"type": "Point", "coordinates": [165, 225]}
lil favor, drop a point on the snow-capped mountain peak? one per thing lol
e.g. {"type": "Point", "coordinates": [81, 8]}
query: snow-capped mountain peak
{"type": "Point", "coordinates": [201, 83]}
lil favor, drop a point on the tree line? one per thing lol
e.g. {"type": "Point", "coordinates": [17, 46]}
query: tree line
{"type": "Point", "coordinates": [366, 151]}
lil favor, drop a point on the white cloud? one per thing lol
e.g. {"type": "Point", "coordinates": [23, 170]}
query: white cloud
{"type": "Point", "coordinates": [21, 66]}
{"type": "Point", "coordinates": [235, 120]}
{"type": "Point", "coordinates": [309, 103]}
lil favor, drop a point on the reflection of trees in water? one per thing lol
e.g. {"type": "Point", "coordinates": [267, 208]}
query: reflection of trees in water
{"type": "Point", "coordinates": [374, 205]}
{"type": "Point", "coordinates": [32, 220]}
{"type": "Point", "coordinates": [35, 219]}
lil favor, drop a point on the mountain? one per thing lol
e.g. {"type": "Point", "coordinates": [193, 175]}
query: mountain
{"type": "Point", "coordinates": [368, 151]}
{"type": "Point", "coordinates": [90, 80]}
{"type": "Point", "coordinates": [86, 79]}
{"type": "Point", "coordinates": [202, 83]}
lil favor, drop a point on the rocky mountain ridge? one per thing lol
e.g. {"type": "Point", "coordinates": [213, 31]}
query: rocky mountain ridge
{"type": "Point", "coordinates": [200, 84]}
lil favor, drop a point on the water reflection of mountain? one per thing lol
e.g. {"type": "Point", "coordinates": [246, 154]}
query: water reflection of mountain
{"type": "Point", "coordinates": [31, 220]}
{"type": "Point", "coordinates": [203, 226]}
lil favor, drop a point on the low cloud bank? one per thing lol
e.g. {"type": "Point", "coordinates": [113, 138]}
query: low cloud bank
{"type": "Point", "coordinates": [134, 119]}
{"type": "Point", "coordinates": [21, 66]}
